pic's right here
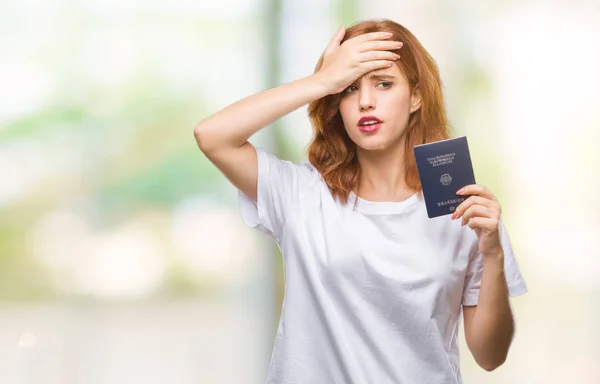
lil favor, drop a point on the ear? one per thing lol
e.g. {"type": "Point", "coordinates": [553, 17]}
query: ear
{"type": "Point", "coordinates": [415, 99]}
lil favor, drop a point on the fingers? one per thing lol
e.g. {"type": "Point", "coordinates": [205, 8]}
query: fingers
{"type": "Point", "coordinates": [476, 207]}
{"type": "Point", "coordinates": [378, 55]}
{"type": "Point", "coordinates": [482, 203]}
{"type": "Point", "coordinates": [483, 223]}
{"type": "Point", "coordinates": [344, 63]}
{"type": "Point", "coordinates": [371, 36]}
{"type": "Point", "coordinates": [379, 50]}
{"type": "Point", "coordinates": [336, 40]}
{"type": "Point", "coordinates": [475, 200]}
{"type": "Point", "coordinates": [476, 189]}
{"type": "Point", "coordinates": [370, 43]}
{"type": "Point", "coordinates": [374, 65]}
{"type": "Point", "coordinates": [380, 45]}
{"type": "Point", "coordinates": [478, 211]}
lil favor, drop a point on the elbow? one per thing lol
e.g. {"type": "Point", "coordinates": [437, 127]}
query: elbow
{"type": "Point", "coordinates": [491, 365]}
{"type": "Point", "coordinates": [490, 354]}
{"type": "Point", "coordinates": [202, 139]}
{"type": "Point", "coordinates": [490, 358]}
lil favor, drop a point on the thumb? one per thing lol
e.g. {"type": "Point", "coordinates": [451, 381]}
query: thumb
{"type": "Point", "coordinates": [336, 40]}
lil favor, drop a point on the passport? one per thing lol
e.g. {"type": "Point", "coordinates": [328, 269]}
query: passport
{"type": "Point", "coordinates": [444, 168]}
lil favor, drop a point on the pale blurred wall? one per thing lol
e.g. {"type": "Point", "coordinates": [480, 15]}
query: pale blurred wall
{"type": "Point", "coordinates": [122, 254]}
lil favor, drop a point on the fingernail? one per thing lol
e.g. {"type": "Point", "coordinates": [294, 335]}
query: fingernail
{"type": "Point", "coordinates": [459, 191]}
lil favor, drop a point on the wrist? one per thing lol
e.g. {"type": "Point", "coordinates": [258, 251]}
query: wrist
{"type": "Point", "coordinates": [322, 82]}
{"type": "Point", "coordinates": [494, 257]}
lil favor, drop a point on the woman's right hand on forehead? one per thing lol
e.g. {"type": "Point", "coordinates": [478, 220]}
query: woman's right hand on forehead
{"type": "Point", "coordinates": [346, 62]}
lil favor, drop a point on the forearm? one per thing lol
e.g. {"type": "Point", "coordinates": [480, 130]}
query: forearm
{"type": "Point", "coordinates": [492, 325]}
{"type": "Point", "coordinates": [234, 125]}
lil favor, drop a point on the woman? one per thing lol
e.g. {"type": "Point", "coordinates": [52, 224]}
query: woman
{"type": "Point", "coordinates": [374, 288]}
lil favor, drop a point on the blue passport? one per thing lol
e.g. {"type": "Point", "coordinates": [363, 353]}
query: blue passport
{"type": "Point", "coordinates": [444, 168]}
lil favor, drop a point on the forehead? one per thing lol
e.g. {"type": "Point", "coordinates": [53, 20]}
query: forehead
{"type": "Point", "coordinates": [393, 71]}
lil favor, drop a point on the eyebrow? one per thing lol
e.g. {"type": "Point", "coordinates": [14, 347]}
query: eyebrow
{"type": "Point", "coordinates": [379, 76]}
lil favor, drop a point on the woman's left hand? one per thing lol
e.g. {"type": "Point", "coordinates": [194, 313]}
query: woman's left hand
{"type": "Point", "coordinates": [481, 212]}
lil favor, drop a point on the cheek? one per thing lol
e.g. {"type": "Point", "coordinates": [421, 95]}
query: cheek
{"type": "Point", "coordinates": [398, 108]}
{"type": "Point", "coordinates": [397, 101]}
{"type": "Point", "coordinates": [345, 114]}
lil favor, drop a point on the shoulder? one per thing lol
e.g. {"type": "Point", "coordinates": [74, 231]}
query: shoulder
{"type": "Point", "coordinates": [295, 178]}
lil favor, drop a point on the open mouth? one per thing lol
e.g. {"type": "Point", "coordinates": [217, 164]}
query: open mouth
{"type": "Point", "coordinates": [369, 124]}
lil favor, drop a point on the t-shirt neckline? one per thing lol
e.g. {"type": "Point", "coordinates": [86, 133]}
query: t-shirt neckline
{"type": "Point", "coordinates": [384, 207]}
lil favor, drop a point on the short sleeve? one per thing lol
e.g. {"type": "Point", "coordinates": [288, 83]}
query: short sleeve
{"type": "Point", "coordinates": [278, 192]}
{"type": "Point", "coordinates": [514, 279]}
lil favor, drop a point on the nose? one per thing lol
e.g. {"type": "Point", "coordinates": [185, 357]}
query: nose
{"type": "Point", "coordinates": [366, 99]}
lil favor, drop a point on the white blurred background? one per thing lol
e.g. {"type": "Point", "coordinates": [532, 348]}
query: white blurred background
{"type": "Point", "coordinates": [122, 254]}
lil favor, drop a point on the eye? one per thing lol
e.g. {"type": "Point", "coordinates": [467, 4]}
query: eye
{"type": "Point", "coordinates": [350, 89]}
{"type": "Point", "coordinates": [385, 84]}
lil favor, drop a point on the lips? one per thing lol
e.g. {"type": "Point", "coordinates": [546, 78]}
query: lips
{"type": "Point", "coordinates": [374, 124]}
{"type": "Point", "coordinates": [364, 119]}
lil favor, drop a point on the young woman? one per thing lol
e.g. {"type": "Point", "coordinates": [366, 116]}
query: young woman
{"type": "Point", "coordinates": [374, 288]}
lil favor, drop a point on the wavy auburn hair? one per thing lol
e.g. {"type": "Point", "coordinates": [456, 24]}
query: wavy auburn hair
{"type": "Point", "coordinates": [332, 151]}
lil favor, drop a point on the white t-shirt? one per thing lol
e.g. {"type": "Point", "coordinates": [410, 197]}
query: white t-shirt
{"type": "Point", "coordinates": [372, 294]}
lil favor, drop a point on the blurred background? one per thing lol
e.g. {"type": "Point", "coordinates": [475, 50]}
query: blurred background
{"type": "Point", "coordinates": [122, 254]}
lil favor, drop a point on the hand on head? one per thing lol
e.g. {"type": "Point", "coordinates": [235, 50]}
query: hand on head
{"type": "Point", "coordinates": [345, 62]}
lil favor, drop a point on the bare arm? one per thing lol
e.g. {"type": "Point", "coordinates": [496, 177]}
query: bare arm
{"type": "Point", "coordinates": [223, 137]}
{"type": "Point", "coordinates": [489, 326]}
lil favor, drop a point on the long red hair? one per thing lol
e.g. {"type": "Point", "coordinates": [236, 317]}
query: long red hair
{"type": "Point", "coordinates": [332, 151]}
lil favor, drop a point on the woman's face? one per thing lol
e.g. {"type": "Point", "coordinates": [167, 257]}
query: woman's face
{"type": "Point", "coordinates": [382, 96]}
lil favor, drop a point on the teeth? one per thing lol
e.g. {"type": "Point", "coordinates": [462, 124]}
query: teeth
{"type": "Point", "coordinates": [370, 122]}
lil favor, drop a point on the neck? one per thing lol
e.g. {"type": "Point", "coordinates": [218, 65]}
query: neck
{"type": "Point", "coordinates": [382, 174]}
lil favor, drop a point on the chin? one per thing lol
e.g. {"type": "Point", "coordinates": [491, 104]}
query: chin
{"type": "Point", "coordinates": [373, 144]}
{"type": "Point", "coordinates": [378, 142]}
